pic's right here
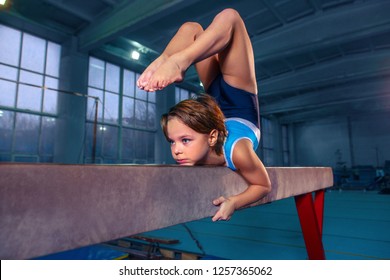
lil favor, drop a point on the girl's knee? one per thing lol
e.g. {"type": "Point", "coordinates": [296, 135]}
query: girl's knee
{"type": "Point", "coordinates": [192, 28]}
{"type": "Point", "coordinates": [229, 15]}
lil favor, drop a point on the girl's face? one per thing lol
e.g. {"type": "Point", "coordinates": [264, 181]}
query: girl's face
{"type": "Point", "coordinates": [188, 147]}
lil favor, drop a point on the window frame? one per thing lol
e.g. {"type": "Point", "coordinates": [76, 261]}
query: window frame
{"type": "Point", "coordinates": [40, 154]}
{"type": "Point", "coordinates": [141, 129]}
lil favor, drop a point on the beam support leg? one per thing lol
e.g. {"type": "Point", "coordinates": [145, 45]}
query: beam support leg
{"type": "Point", "coordinates": [310, 212]}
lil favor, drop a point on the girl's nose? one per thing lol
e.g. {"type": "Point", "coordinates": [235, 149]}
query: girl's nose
{"type": "Point", "coordinates": [177, 149]}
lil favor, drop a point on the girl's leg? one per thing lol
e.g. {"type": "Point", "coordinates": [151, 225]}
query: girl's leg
{"type": "Point", "coordinates": [237, 59]}
{"type": "Point", "coordinates": [227, 41]}
{"type": "Point", "coordinates": [235, 55]}
{"type": "Point", "coordinates": [184, 37]}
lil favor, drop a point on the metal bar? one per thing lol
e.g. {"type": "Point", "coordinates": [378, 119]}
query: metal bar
{"type": "Point", "coordinates": [319, 198]}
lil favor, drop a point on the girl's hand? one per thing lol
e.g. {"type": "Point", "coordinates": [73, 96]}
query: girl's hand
{"type": "Point", "coordinates": [226, 209]}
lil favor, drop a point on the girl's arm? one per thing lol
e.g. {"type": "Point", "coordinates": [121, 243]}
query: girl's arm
{"type": "Point", "coordinates": [250, 167]}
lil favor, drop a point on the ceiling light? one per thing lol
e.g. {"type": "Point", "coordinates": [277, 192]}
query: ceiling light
{"type": "Point", "coordinates": [2, 2]}
{"type": "Point", "coordinates": [135, 55]}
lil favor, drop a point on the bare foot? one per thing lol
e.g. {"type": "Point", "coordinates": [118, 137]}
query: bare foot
{"type": "Point", "coordinates": [143, 80]}
{"type": "Point", "coordinates": [168, 73]}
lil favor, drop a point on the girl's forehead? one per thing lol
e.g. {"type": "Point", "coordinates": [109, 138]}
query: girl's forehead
{"type": "Point", "coordinates": [175, 127]}
{"type": "Point", "coordinates": [175, 123]}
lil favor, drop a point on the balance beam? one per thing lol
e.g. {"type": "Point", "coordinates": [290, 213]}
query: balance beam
{"type": "Point", "coordinates": [48, 208]}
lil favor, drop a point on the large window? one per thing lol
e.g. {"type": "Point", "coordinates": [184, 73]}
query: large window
{"type": "Point", "coordinates": [286, 150]}
{"type": "Point", "coordinates": [183, 94]}
{"type": "Point", "coordinates": [126, 116]}
{"type": "Point", "coordinates": [29, 78]}
{"type": "Point", "coordinates": [267, 142]}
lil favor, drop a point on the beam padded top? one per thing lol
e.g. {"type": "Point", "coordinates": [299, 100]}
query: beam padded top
{"type": "Point", "coordinates": [48, 208]}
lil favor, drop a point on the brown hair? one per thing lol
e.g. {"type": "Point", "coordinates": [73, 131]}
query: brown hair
{"type": "Point", "coordinates": [201, 114]}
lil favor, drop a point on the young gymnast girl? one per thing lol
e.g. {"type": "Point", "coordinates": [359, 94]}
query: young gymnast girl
{"type": "Point", "coordinates": [221, 127]}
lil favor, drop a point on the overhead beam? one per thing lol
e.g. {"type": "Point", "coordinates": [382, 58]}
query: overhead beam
{"type": "Point", "coordinates": [110, 2]}
{"type": "Point", "coordinates": [355, 92]}
{"type": "Point", "coordinates": [341, 70]}
{"type": "Point", "coordinates": [14, 19]}
{"type": "Point", "coordinates": [126, 17]}
{"type": "Point", "coordinates": [74, 10]}
{"type": "Point", "coordinates": [361, 108]}
{"type": "Point", "coordinates": [354, 21]}
{"type": "Point", "coordinates": [48, 208]}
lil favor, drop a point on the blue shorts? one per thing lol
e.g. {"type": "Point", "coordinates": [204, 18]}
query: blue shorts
{"type": "Point", "coordinates": [238, 129]}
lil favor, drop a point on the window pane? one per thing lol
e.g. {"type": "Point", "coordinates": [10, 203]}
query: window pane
{"type": "Point", "coordinates": [284, 130]}
{"type": "Point", "coordinates": [50, 96]}
{"type": "Point", "coordinates": [6, 127]}
{"type": "Point", "coordinates": [140, 114]}
{"type": "Point", "coordinates": [25, 159]}
{"type": "Point", "coordinates": [26, 133]}
{"type": "Point", "coordinates": [33, 53]}
{"type": "Point", "coordinates": [286, 158]}
{"type": "Point", "coordinates": [7, 93]}
{"type": "Point", "coordinates": [128, 111]}
{"type": "Point", "coordinates": [112, 78]}
{"type": "Point", "coordinates": [96, 73]}
{"type": "Point", "coordinates": [144, 147]}
{"type": "Point", "coordinates": [285, 144]}
{"type": "Point", "coordinates": [264, 125]}
{"type": "Point", "coordinates": [127, 145]}
{"type": "Point", "coordinates": [268, 157]}
{"type": "Point", "coordinates": [9, 45]}
{"type": "Point", "coordinates": [264, 141]}
{"type": "Point", "coordinates": [46, 146]}
{"type": "Point", "coordinates": [152, 96]}
{"type": "Point", "coordinates": [139, 93]}
{"type": "Point", "coordinates": [268, 141]}
{"type": "Point", "coordinates": [29, 98]}
{"type": "Point", "coordinates": [151, 115]}
{"type": "Point", "coordinates": [9, 73]}
{"type": "Point", "coordinates": [177, 95]}
{"type": "Point", "coordinates": [184, 94]}
{"type": "Point", "coordinates": [140, 139]}
{"type": "Point", "coordinates": [31, 78]}
{"type": "Point", "coordinates": [53, 59]}
{"type": "Point", "coordinates": [46, 158]}
{"type": "Point", "coordinates": [89, 140]}
{"type": "Point", "coordinates": [92, 104]}
{"type": "Point", "coordinates": [110, 140]}
{"type": "Point", "coordinates": [111, 107]}
{"type": "Point", "coordinates": [128, 83]}
{"type": "Point", "coordinates": [150, 144]}
{"type": "Point", "coordinates": [138, 110]}
{"type": "Point", "coordinates": [4, 157]}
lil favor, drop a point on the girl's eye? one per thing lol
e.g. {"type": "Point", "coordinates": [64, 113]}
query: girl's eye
{"type": "Point", "coordinates": [186, 141]}
{"type": "Point", "coordinates": [171, 142]}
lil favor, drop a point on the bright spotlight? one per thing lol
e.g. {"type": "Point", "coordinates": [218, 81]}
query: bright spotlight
{"type": "Point", "coordinates": [135, 55]}
{"type": "Point", "coordinates": [2, 2]}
